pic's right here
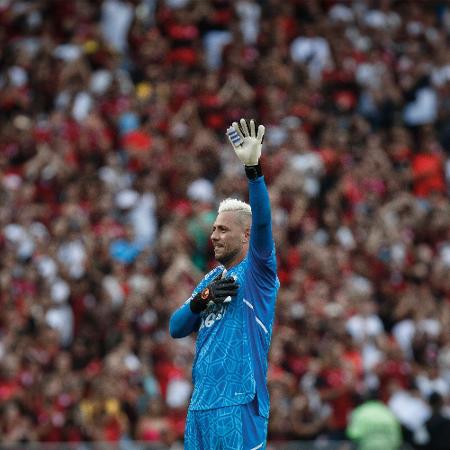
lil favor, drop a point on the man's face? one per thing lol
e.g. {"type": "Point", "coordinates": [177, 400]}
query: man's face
{"type": "Point", "coordinates": [229, 238]}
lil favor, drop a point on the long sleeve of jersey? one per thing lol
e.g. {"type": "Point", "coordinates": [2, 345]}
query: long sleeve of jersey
{"type": "Point", "coordinates": [183, 322]}
{"type": "Point", "coordinates": [261, 241]}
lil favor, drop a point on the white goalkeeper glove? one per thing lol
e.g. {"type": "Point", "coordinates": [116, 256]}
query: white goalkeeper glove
{"type": "Point", "coordinates": [246, 141]}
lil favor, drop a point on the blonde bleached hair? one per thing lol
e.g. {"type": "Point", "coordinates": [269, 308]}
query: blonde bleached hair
{"type": "Point", "coordinates": [243, 209]}
{"type": "Point", "coordinates": [233, 204]}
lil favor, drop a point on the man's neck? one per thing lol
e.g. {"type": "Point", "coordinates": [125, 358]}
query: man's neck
{"type": "Point", "coordinates": [235, 261]}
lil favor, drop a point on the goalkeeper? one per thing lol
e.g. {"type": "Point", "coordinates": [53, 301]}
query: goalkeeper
{"type": "Point", "coordinates": [232, 309]}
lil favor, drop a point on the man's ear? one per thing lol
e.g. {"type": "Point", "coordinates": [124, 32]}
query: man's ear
{"type": "Point", "coordinates": [246, 236]}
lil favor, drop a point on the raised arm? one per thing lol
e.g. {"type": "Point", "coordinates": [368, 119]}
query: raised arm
{"type": "Point", "coordinates": [261, 240]}
{"type": "Point", "coordinates": [247, 143]}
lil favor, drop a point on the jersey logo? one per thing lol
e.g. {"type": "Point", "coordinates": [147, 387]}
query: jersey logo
{"type": "Point", "coordinates": [212, 315]}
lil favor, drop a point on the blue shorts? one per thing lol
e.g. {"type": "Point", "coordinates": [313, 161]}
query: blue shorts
{"type": "Point", "coordinates": [237, 427]}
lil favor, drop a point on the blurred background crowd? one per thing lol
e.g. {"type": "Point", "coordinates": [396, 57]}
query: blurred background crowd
{"type": "Point", "coordinates": [113, 160]}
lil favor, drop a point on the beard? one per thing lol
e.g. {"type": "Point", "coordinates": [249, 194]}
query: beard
{"type": "Point", "coordinates": [227, 256]}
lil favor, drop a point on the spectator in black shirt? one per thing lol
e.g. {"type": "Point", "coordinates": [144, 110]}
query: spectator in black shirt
{"type": "Point", "coordinates": [437, 426]}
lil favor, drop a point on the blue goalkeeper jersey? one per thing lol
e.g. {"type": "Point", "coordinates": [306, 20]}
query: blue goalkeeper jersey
{"type": "Point", "coordinates": [230, 365]}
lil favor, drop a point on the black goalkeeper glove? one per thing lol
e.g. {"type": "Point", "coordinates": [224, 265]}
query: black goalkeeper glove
{"type": "Point", "coordinates": [219, 291]}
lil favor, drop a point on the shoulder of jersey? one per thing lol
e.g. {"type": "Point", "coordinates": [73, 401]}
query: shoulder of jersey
{"type": "Point", "coordinates": [214, 272]}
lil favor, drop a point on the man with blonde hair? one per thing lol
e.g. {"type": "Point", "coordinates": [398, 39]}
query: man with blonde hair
{"type": "Point", "coordinates": [232, 309]}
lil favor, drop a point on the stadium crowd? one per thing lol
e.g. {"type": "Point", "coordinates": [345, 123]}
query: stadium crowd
{"type": "Point", "coordinates": [113, 160]}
